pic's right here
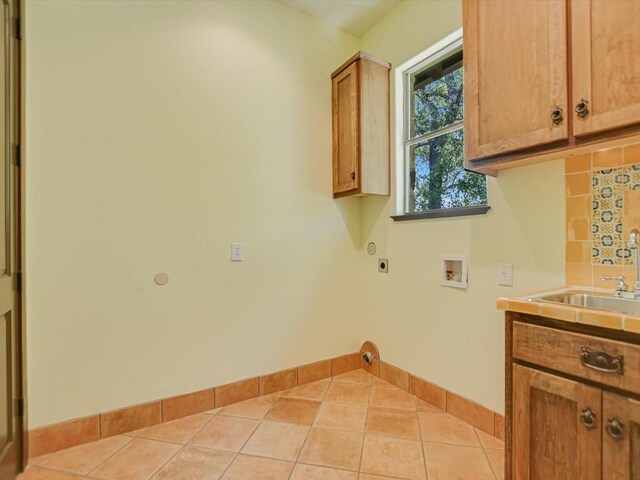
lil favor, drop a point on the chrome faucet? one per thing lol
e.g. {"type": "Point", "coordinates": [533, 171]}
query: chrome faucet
{"type": "Point", "coordinates": [634, 246]}
{"type": "Point", "coordinates": [621, 287]}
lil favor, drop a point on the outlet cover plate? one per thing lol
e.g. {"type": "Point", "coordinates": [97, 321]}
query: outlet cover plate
{"type": "Point", "coordinates": [237, 252]}
{"type": "Point", "coordinates": [383, 265]}
{"type": "Point", "coordinates": [505, 274]}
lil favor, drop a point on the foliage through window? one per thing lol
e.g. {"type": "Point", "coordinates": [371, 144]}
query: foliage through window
{"type": "Point", "coordinates": [434, 137]}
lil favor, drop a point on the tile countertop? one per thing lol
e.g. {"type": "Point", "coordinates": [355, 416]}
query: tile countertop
{"type": "Point", "coordinates": [568, 313]}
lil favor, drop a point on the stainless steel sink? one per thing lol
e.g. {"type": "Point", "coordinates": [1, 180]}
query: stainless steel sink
{"type": "Point", "coordinates": [589, 300]}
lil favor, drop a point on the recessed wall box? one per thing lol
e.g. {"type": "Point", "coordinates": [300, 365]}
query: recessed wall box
{"type": "Point", "coordinates": [453, 271]}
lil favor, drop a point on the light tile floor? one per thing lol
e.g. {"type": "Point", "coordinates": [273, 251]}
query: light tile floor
{"type": "Point", "coordinates": [350, 427]}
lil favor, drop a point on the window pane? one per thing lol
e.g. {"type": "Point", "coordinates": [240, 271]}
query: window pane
{"type": "Point", "coordinates": [437, 96]}
{"type": "Point", "coordinates": [437, 178]}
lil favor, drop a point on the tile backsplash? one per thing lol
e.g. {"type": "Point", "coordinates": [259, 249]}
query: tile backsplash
{"type": "Point", "coordinates": [602, 206]}
{"type": "Point", "coordinates": [610, 193]}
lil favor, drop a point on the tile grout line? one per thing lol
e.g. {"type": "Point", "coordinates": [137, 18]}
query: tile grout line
{"type": "Point", "coordinates": [491, 464]}
{"type": "Point", "coordinates": [342, 469]}
{"type": "Point", "coordinates": [485, 454]}
{"type": "Point", "coordinates": [51, 469]}
{"type": "Point", "coordinates": [236, 454]}
{"type": "Point", "coordinates": [415, 401]}
{"type": "Point", "coordinates": [422, 446]}
{"type": "Point", "coordinates": [378, 435]}
{"type": "Point", "coordinates": [449, 444]}
{"type": "Point", "coordinates": [110, 456]}
{"type": "Point", "coordinates": [260, 422]}
{"type": "Point", "coordinates": [364, 433]}
{"type": "Point", "coordinates": [304, 443]}
{"type": "Point", "coordinates": [182, 446]}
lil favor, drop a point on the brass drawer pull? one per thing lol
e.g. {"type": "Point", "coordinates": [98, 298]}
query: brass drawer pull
{"type": "Point", "coordinates": [615, 428]}
{"type": "Point", "coordinates": [588, 418]}
{"type": "Point", "coordinates": [602, 361]}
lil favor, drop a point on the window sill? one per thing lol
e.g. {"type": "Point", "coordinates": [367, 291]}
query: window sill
{"type": "Point", "coordinates": [443, 213]}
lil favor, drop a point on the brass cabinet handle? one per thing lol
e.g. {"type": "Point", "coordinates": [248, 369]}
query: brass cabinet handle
{"type": "Point", "coordinates": [588, 418]}
{"type": "Point", "coordinates": [557, 115]}
{"type": "Point", "coordinates": [602, 361]}
{"type": "Point", "coordinates": [353, 175]}
{"type": "Point", "coordinates": [582, 108]}
{"type": "Point", "coordinates": [615, 428]}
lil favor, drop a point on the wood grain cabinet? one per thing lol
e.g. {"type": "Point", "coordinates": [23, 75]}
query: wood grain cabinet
{"type": "Point", "coordinates": [545, 79]}
{"type": "Point", "coordinates": [606, 75]}
{"type": "Point", "coordinates": [360, 107]}
{"type": "Point", "coordinates": [573, 401]}
{"type": "Point", "coordinates": [550, 438]}
{"type": "Point", "coordinates": [515, 75]}
{"type": "Point", "coordinates": [621, 442]}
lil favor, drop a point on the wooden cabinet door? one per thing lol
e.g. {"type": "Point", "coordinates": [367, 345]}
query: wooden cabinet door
{"type": "Point", "coordinates": [556, 427]}
{"type": "Point", "coordinates": [11, 341]}
{"type": "Point", "coordinates": [605, 68]}
{"type": "Point", "coordinates": [621, 438]}
{"type": "Point", "coordinates": [515, 68]}
{"type": "Point", "coordinates": [346, 130]}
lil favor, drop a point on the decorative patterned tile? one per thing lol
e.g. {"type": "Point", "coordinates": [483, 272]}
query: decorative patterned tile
{"type": "Point", "coordinates": [609, 187]}
{"type": "Point", "coordinates": [634, 173]}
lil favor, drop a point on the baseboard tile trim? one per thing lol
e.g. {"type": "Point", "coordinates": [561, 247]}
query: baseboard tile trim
{"type": "Point", "coordinates": [75, 432]}
{"type": "Point", "coordinates": [467, 410]}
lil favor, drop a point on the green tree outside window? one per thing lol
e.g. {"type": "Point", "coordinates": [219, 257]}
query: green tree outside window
{"type": "Point", "coordinates": [436, 175]}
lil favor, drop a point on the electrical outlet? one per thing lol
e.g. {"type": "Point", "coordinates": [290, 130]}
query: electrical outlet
{"type": "Point", "coordinates": [505, 274]}
{"type": "Point", "coordinates": [383, 265]}
{"type": "Point", "coordinates": [237, 252]}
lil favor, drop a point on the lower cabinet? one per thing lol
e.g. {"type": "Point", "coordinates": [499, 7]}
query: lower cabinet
{"type": "Point", "coordinates": [621, 438]}
{"type": "Point", "coordinates": [556, 427]}
{"type": "Point", "coordinates": [573, 401]}
{"type": "Point", "coordinates": [567, 430]}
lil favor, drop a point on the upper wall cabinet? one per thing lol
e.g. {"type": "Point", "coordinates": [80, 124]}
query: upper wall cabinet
{"type": "Point", "coordinates": [515, 67]}
{"type": "Point", "coordinates": [606, 64]}
{"type": "Point", "coordinates": [525, 101]}
{"type": "Point", "coordinates": [360, 97]}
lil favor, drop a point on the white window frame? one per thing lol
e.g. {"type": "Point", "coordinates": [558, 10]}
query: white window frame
{"type": "Point", "coordinates": [432, 55]}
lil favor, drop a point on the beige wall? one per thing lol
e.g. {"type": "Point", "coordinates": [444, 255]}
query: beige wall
{"type": "Point", "coordinates": [453, 337]}
{"type": "Point", "coordinates": [157, 135]}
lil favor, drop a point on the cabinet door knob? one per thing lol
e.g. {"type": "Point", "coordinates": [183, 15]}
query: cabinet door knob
{"type": "Point", "coordinates": [582, 108]}
{"type": "Point", "coordinates": [557, 115]}
{"type": "Point", "coordinates": [353, 175]}
{"type": "Point", "coordinates": [615, 428]}
{"type": "Point", "coordinates": [588, 418]}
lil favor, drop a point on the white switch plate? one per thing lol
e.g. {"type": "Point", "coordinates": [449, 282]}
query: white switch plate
{"type": "Point", "coordinates": [505, 274]}
{"type": "Point", "coordinates": [237, 252]}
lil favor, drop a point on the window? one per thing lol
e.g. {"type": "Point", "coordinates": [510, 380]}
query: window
{"type": "Point", "coordinates": [435, 178]}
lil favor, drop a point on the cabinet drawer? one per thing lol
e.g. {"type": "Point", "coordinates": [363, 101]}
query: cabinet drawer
{"type": "Point", "coordinates": [604, 361]}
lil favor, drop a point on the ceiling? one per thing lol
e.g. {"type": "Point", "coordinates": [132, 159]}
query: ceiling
{"type": "Point", "coordinates": [353, 16]}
